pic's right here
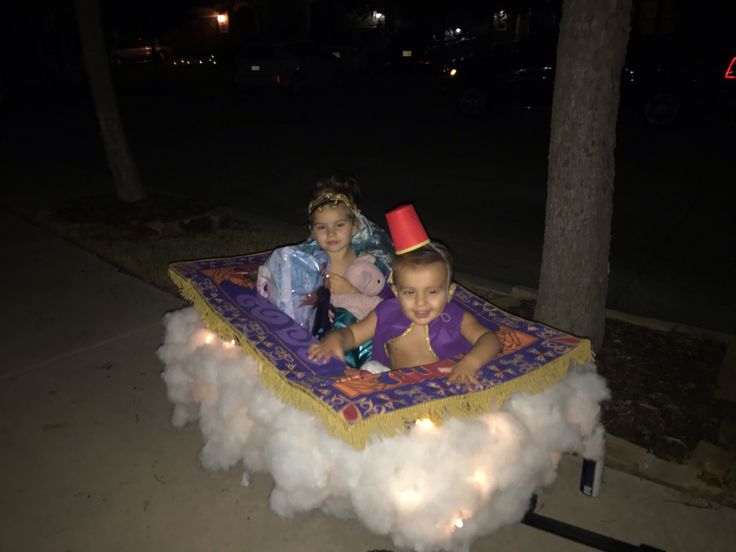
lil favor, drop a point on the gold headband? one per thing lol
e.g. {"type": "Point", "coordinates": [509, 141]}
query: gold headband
{"type": "Point", "coordinates": [328, 198]}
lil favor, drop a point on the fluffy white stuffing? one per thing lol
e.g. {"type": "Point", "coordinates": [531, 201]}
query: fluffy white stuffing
{"type": "Point", "coordinates": [432, 488]}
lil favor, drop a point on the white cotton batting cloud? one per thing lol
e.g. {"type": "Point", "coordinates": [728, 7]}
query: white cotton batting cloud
{"type": "Point", "coordinates": [432, 488]}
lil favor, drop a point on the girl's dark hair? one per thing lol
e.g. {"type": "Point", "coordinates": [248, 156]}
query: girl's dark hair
{"type": "Point", "coordinates": [338, 183]}
{"type": "Point", "coordinates": [335, 183]}
{"type": "Point", "coordinates": [433, 252]}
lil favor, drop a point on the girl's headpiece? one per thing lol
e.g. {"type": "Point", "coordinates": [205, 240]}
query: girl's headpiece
{"type": "Point", "coordinates": [406, 229]}
{"type": "Point", "coordinates": [332, 199]}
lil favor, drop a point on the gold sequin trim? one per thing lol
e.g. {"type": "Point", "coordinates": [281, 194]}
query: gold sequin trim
{"type": "Point", "coordinates": [404, 334]}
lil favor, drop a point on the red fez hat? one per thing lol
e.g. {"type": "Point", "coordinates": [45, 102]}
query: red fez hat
{"type": "Point", "coordinates": [406, 229]}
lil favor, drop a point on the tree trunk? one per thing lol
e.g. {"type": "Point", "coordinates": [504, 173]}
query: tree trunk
{"type": "Point", "coordinates": [123, 168]}
{"type": "Point", "coordinates": [574, 274]}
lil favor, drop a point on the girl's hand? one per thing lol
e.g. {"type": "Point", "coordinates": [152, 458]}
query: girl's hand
{"type": "Point", "coordinates": [339, 284]}
{"type": "Point", "coordinates": [463, 374]}
{"type": "Point", "coordinates": [327, 348]}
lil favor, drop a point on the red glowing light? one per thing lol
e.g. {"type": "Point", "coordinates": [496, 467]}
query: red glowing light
{"type": "Point", "coordinates": [731, 71]}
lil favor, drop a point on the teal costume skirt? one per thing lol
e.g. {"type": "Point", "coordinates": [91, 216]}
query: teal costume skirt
{"type": "Point", "coordinates": [360, 355]}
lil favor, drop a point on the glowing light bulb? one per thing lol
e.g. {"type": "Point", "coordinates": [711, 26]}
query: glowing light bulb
{"type": "Point", "coordinates": [459, 523]}
{"type": "Point", "coordinates": [484, 482]}
{"type": "Point", "coordinates": [209, 338]}
{"type": "Point", "coordinates": [424, 423]}
{"type": "Point", "coordinates": [480, 478]}
{"type": "Point", "coordinates": [409, 499]}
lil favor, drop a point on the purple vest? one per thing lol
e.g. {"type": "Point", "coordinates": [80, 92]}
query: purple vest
{"type": "Point", "coordinates": [445, 338]}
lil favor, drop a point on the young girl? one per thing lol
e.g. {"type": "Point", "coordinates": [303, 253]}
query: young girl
{"type": "Point", "coordinates": [339, 229]}
{"type": "Point", "coordinates": [420, 325]}
{"type": "Point", "coordinates": [341, 238]}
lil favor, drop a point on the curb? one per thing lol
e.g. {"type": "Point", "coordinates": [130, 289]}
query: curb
{"type": "Point", "coordinates": [627, 457]}
{"type": "Point", "coordinates": [523, 292]}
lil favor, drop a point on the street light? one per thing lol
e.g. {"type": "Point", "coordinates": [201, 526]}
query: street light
{"type": "Point", "coordinates": [223, 22]}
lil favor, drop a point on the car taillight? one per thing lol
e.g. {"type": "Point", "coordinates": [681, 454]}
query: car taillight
{"type": "Point", "coordinates": [731, 71]}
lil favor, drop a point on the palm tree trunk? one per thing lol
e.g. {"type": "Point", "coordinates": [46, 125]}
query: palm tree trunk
{"type": "Point", "coordinates": [123, 168]}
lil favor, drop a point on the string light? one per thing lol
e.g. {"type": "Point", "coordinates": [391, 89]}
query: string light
{"type": "Point", "coordinates": [424, 423]}
{"type": "Point", "coordinates": [484, 482]}
{"type": "Point", "coordinates": [409, 499]}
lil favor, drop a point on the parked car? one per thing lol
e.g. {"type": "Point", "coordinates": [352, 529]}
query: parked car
{"type": "Point", "coordinates": [677, 83]}
{"type": "Point", "coordinates": [422, 48]}
{"type": "Point", "coordinates": [293, 67]}
{"type": "Point", "coordinates": [366, 51]}
{"type": "Point", "coordinates": [662, 89]}
{"type": "Point", "coordinates": [132, 50]}
{"type": "Point", "coordinates": [510, 75]}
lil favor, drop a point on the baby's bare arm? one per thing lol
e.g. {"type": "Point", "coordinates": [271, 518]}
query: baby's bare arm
{"type": "Point", "coordinates": [486, 346]}
{"type": "Point", "coordinates": [343, 339]}
{"type": "Point", "coordinates": [333, 344]}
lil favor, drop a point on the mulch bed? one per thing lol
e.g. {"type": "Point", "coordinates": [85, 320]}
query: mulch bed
{"type": "Point", "coordinates": [662, 385]}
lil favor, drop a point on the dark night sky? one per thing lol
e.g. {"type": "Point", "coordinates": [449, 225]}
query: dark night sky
{"type": "Point", "coordinates": [44, 33]}
{"type": "Point", "coordinates": [705, 18]}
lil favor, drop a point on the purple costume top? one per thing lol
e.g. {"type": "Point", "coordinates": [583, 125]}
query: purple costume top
{"type": "Point", "coordinates": [443, 333]}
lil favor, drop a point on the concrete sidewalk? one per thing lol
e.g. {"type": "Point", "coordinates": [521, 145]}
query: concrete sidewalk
{"type": "Point", "coordinates": [91, 462]}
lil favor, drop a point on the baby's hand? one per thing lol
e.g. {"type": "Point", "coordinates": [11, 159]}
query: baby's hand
{"type": "Point", "coordinates": [322, 352]}
{"type": "Point", "coordinates": [462, 374]}
{"type": "Point", "coordinates": [339, 284]}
